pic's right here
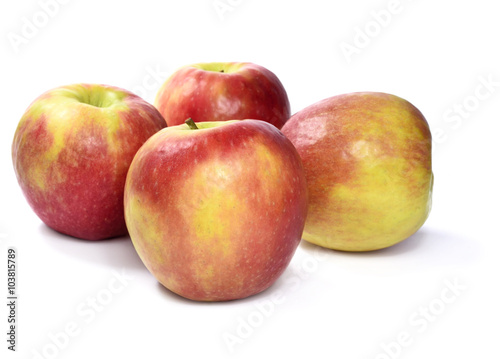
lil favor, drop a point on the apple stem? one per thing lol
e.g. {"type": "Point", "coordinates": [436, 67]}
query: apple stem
{"type": "Point", "coordinates": [191, 124]}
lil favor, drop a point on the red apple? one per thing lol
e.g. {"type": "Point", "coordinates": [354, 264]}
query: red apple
{"type": "Point", "coordinates": [216, 213]}
{"type": "Point", "coordinates": [222, 91]}
{"type": "Point", "coordinates": [367, 158]}
{"type": "Point", "coordinates": [71, 153]}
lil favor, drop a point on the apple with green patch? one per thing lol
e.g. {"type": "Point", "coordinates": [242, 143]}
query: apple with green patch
{"type": "Point", "coordinates": [367, 158]}
{"type": "Point", "coordinates": [71, 153]}
{"type": "Point", "coordinates": [216, 210]}
{"type": "Point", "coordinates": [222, 91]}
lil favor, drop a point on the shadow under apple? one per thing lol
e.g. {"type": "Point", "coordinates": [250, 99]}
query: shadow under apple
{"type": "Point", "coordinates": [115, 253]}
{"type": "Point", "coordinates": [428, 247]}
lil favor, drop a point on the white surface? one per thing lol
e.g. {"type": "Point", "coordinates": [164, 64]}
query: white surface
{"type": "Point", "coordinates": [327, 304]}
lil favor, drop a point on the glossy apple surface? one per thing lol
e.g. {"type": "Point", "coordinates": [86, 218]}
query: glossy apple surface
{"type": "Point", "coordinates": [71, 153]}
{"type": "Point", "coordinates": [216, 213]}
{"type": "Point", "coordinates": [367, 158]}
{"type": "Point", "coordinates": [223, 91]}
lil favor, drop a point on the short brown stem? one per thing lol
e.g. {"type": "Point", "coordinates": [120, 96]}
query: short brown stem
{"type": "Point", "coordinates": [191, 124]}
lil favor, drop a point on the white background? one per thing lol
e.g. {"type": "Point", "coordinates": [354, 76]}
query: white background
{"type": "Point", "coordinates": [327, 304]}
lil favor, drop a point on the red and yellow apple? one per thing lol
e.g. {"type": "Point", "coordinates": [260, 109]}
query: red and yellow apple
{"type": "Point", "coordinates": [367, 159]}
{"type": "Point", "coordinates": [222, 91]}
{"type": "Point", "coordinates": [216, 211]}
{"type": "Point", "coordinates": [71, 153]}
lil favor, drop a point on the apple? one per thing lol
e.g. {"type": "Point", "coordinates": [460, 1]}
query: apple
{"type": "Point", "coordinates": [222, 91]}
{"type": "Point", "coordinates": [367, 159]}
{"type": "Point", "coordinates": [216, 210]}
{"type": "Point", "coordinates": [71, 153]}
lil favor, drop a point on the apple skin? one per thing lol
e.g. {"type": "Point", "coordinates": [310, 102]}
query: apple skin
{"type": "Point", "coordinates": [216, 213]}
{"type": "Point", "coordinates": [367, 159]}
{"type": "Point", "coordinates": [71, 153]}
{"type": "Point", "coordinates": [222, 91]}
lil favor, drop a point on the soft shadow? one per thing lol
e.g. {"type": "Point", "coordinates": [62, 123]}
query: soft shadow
{"type": "Point", "coordinates": [434, 247]}
{"type": "Point", "coordinates": [116, 252]}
